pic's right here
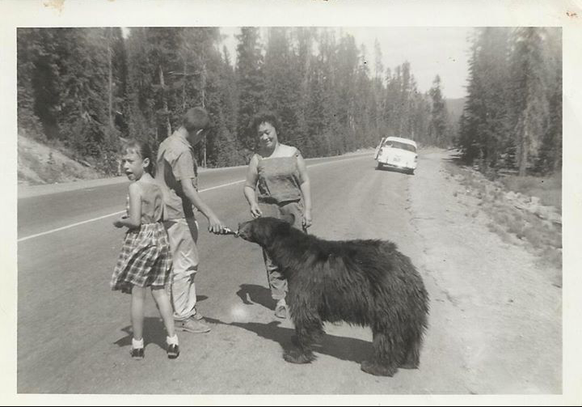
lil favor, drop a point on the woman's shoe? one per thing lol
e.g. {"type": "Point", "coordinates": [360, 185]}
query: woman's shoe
{"type": "Point", "coordinates": [173, 351]}
{"type": "Point", "coordinates": [281, 310]}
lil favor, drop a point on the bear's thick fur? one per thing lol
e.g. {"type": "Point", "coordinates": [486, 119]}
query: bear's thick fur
{"type": "Point", "coordinates": [363, 282]}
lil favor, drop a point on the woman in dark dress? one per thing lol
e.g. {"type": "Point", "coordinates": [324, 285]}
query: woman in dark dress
{"type": "Point", "coordinates": [277, 184]}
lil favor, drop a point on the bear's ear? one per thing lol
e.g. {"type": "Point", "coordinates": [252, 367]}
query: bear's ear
{"type": "Point", "coordinates": [289, 218]}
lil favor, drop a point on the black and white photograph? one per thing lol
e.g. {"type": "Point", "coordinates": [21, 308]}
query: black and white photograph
{"type": "Point", "coordinates": [290, 200]}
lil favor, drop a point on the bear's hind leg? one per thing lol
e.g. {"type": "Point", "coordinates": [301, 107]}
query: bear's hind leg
{"type": "Point", "coordinates": [384, 352]}
{"type": "Point", "coordinates": [412, 359]}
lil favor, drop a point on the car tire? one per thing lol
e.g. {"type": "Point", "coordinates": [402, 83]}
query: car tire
{"type": "Point", "coordinates": [379, 166]}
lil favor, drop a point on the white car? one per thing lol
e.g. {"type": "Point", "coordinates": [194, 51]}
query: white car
{"type": "Point", "coordinates": [397, 152]}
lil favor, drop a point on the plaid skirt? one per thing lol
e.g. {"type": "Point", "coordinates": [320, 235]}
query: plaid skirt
{"type": "Point", "coordinates": [145, 259]}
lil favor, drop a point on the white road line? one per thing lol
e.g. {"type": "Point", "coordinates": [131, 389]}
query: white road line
{"type": "Point", "coordinates": [120, 212]}
{"type": "Point", "coordinates": [68, 226]}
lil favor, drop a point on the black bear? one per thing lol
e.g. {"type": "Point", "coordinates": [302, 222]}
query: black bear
{"type": "Point", "coordinates": [363, 282]}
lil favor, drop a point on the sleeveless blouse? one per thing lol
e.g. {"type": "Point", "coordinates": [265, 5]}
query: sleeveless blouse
{"type": "Point", "coordinates": [152, 203]}
{"type": "Point", "coordinates": [278, 179]}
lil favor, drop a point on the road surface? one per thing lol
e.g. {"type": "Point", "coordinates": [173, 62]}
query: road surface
{"type": "Point", "coordinates": [491, 331]}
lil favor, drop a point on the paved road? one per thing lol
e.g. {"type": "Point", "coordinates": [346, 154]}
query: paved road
{"type": "Point", "coordinates": [73, 332]}
{"type": "Point", "coordinates": [491, 331]}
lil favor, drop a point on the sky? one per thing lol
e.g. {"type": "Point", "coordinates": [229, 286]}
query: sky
{"type": "Point", "coordinates": [430, 51]}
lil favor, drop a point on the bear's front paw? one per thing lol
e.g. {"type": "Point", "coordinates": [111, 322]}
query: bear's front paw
{"type": "Point", "coordinates": [296, 356]}
{"type": "Point", "coordinates": [376, 369]}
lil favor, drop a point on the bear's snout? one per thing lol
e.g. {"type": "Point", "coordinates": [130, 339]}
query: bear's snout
{"type": "Point", "coordinates": [244, 231]}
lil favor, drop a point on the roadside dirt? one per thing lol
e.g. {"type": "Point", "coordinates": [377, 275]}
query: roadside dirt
{"type": "Point", "coordinates": [497, 299]}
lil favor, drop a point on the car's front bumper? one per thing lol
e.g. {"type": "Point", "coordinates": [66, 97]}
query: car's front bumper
{"type": "Point", "coordinates": [398, 167]}
{"type": "Point", "coordinates": [405, 165]}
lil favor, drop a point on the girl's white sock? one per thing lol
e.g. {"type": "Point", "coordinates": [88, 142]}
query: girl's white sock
{"type": "Point", "coordinates": [172, 340]}
{"type": "Point", "coordinates": [137, 344]}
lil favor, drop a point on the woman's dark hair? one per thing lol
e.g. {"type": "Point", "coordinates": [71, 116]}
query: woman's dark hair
{"type": "Point", "coordinates": [144, 150]}
{"type": "Point", "coordinates": [265, 117]}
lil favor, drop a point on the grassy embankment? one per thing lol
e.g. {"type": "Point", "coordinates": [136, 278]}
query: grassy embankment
{"type": "Point", "coordinates": [40, 163]}
{"type": "Point", "coordinates": [522, 210]}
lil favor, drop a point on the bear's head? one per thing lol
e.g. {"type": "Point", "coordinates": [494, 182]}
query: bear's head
{"type": "Point", "coordinates": [264, 230]}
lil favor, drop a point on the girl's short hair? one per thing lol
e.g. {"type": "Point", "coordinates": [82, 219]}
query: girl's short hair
{"type": "Point", "coordinates": [144, 150]}
{"type": "Point", "coordinates": [265, 117]}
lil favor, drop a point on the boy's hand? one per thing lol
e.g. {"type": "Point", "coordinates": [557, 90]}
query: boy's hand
{"type": "Point", "coordinates": [215, 225]}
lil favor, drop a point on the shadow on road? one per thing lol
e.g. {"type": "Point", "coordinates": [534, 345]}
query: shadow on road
{"type": "Point", "coordinates": [153, 332]}
{"type": "Point", "coordinates": [348, 349]}
{"type": "Point", "coordinates": [256, 294]}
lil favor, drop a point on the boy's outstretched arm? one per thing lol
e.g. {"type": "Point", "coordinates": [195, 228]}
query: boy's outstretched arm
{"type": "Point", "coordinates": [214, 224]}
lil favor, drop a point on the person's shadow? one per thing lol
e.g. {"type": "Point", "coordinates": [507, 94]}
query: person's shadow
{"type": "Point", "coordinates": [153, 332]}
{"type": "Point", "coordinates": [256, 294]}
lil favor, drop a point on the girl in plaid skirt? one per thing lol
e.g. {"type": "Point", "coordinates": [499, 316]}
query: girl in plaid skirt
{"type": "Point", "coordinates": [145, 259]}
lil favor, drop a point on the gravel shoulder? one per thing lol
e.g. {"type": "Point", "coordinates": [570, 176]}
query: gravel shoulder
{"type": "Point", "coordinates": [495, 299]}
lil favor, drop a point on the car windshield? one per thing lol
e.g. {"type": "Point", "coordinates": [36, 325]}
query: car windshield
{"type": "Point", "coordinates": [398, 144]}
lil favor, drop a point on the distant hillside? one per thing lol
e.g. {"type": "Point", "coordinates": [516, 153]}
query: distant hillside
{"type": "Point", "coordinates": [455, 108]}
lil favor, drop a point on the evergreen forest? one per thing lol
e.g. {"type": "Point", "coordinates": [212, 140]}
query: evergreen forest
{"type": "Point", "coordinates": [88, 89]}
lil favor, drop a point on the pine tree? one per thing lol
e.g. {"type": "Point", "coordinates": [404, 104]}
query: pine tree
{"type": "Point", "coordinates": [468, 142]}
{"type": "Point", "coordinates": [119, 80]}
{"type": "Point", "coordinates": [141, 97]}
{"type": "Point", "coordinates": [226, 149]}
{"type": "Point", "coordinates": [305, 65]}
{"type": "Point", "coordinates": [529, 95]}
{"type": "Point", "coordinates": [250, 83]}
{"type": "Point", "coordinates": [484, 125]}
{"type": "Point", "coordinates": [163, 52]}
{"type": "Point", "coordinates": [30, 50]}
{"type": "Point", "coordinates": [83, 70]}
{"type": "Point", "coordinates": [347, 69]}
{"type": "Point", "coordinates": [379, 96]}
{"type": "Point", "coordinates": [315, 120]}
{"type": "Point", "coordinates": [283, 84]}
{"type": "Point", "coordinates": [365, 105]}
{"type": "Point", "coordinates": [329, 98]}
{"type": "Point", "coordinates": [438, 130]}
{"type": "Point", "coordinates": [550, 156]}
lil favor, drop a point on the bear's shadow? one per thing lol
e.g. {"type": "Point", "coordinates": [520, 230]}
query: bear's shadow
{"type": "Point", "coordinates": [347, 349]}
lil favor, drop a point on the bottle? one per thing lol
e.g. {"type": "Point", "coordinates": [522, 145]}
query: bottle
{"type": "Point", "coordinates": [229, 231]}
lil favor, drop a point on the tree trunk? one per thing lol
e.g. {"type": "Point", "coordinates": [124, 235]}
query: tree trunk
{"type": "Point", "coordinates": [523, 153]}
{"type": "Point", "coordinates": [165, 103]}
{"type": "Point", "coordinates": [110, 55]}
{"type": "Point", "coordinates": [203, 97]}
{"type": "Point", "coordinates": [184, 88]}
